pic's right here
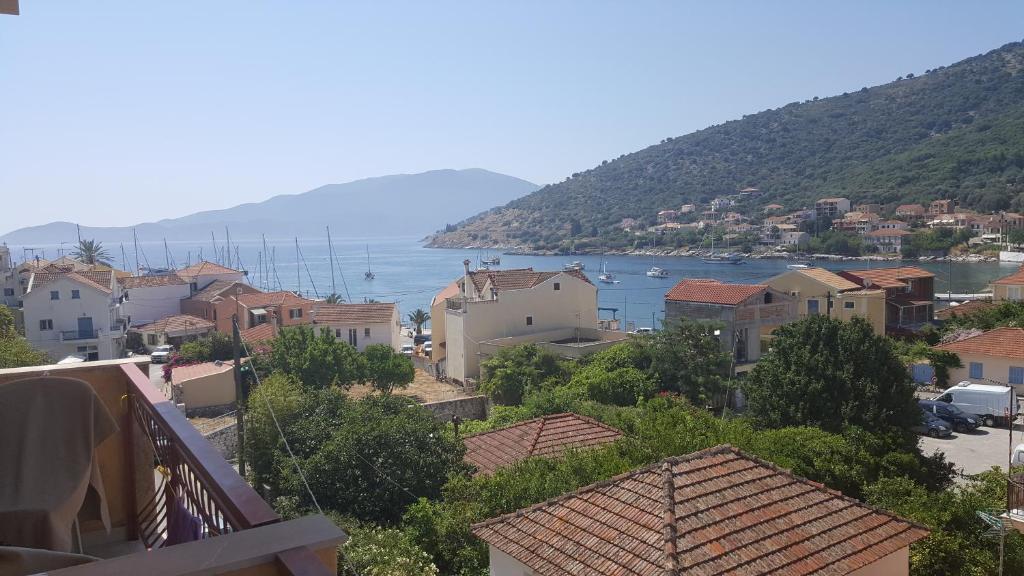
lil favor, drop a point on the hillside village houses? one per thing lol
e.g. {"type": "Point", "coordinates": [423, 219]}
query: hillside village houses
{"type": "Point", "coordinates": [486, 310]}
{"type": "Point", "coordinates": [831, 207]}
{"type": "Point", "coordinates": [818, 291]}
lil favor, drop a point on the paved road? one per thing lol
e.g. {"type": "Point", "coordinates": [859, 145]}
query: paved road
{"type": "Point", "coordinates": [977, 451]}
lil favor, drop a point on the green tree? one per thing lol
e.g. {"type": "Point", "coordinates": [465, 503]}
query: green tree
{"type": "Point", "coordinates": [216, 346]}
{"type": "Point", "coordinates": [514, 371]}
{"type": "Point", "coordinates": [687, 357]}
{"type": "Point", "coordinates": [829, 373]}
{"type": "Point", "coordinates": [334, 298]}
{"type": "Point", "coordinates": [375, 551]}
{"type": "Point", "coordinates": [91, 252]}
{"type": "Point", "coordinates": [386, 369]}
{"type": "Point", "coordinates": [1016, 236]}
{"type": "Point", "coordinates": [419, 317]}
{"type": "Point", "coordinates": [15, 351]}
{"type": "Point", "coordinates": [316, 360]}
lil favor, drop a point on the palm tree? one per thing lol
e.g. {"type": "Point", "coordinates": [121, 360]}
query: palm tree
{"type": "Point", "coordinates": [334, 298]}
{"type": "Point", "coordinates": [91, 252]}
{"type": "Point", "coordinates": [419, 317]}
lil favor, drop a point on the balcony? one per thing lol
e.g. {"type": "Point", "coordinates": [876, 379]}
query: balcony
{"type": "Point", "coordinates": [70, 335]}
{"type": "Point", "coordinates": [155, 453]}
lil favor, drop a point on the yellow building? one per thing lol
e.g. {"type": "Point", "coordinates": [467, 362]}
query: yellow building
{"type": "Point", "coordinates": [994, 356]}
{"type": "Point", "coordinates": [819, 291]}
{"type": "Point", "coordinates": [1009, 287]}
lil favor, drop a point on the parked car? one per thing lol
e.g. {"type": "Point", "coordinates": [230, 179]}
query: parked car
{"type": "Point", "coordinates": [161, 354]}
{"type": "Point", "coordinates": [427, 347]}
{"type": "Point", "coordinates": [643, 330]}
{"type": "Point", "coordinates": [408, 349]}
{"type": "Point", "coordinates": [932, 426]}
{"type": "Point", "coordinates": [420, 339]}
{"type": "Point", "coordinates": [990, 402]}
{"type": "Point", "coordinates": [958, 419]}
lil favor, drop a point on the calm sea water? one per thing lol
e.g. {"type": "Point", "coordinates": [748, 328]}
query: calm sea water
{"type": "Point", "coordinates": [409, 274]}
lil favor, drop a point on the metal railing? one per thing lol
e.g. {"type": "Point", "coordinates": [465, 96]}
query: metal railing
{"type": "Point", "coordinates": [79, 334]}
{"type": "Point", "coordinates": [193, 472]}
{"type": "Point", "coordinates": [1015, 494]}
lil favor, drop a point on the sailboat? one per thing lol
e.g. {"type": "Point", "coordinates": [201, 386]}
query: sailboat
{"type": "Point", "coordinates": [606, 276]}
{"type": "Point", "coordinates": [369, 273]}
{"type": "Point", "coordinates": [494, 260]}
{"type": "Point", "coordinates": [712, 258]}
{"type": "Point", "coordinates": [656, 272]}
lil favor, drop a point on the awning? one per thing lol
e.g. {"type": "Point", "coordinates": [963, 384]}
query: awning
{"type": "Point", "coordinates": [258, 311]}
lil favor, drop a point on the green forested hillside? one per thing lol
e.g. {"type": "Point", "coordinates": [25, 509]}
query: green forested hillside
{"type": "Point", "coordinates": [955, 132]}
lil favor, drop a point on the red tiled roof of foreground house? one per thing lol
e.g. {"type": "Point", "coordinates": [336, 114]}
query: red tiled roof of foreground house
{"type": "Point", "coordinates": [376, 313]}
{"type": "Point", "coordinates": [1015, 278]}
{"type": "Point", "coordinates": [205, 267]}
{"type": "Point", "coordinates": [969, 307]}
{"type": "Point", "coordinates": [887, 277]}
{"type": "Point", "coordinates": [546, 436]}
{"type": "Point", "coordinates": [182, 373]}
{"type": "Point", "coordinates": [713, 512]}
{"type": "Point", "coordinates": [258, 333]}
{"type": "Point", "coordinates": [517, 279]}
{"type": "Point", "coordinates": [97, 280]}
{"type": "Point", "coordinates": [176, 323]}
{"type": "Point", "coordinates": [1001, 343]}
{"type": "Point", "coordinates": [153, 281]}
{"type": "Point", "coordinates": [712, 292]}
{"type": "Point", "coordinates": [280, 298]}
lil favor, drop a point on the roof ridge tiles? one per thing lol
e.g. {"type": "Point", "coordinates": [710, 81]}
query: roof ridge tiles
{"type": "Point", "coordinates": [668, 528]}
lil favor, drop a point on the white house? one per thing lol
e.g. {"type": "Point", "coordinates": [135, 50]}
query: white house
{"type": "Point", "coordinates": [175, 330]}
{"type": "Point", "coordinates": [146, 299]}
{"type": "Point", "coordinates": [74, 313]}
{"type": "Point", "coordinates": [361, 324]}
{"type": "Point", "coordinates": [888, 241]}
{"type": "Point", "coordinates": [203, 273]}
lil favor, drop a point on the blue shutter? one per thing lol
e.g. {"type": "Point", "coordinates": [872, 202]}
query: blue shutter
{"type": "Point", "coordinates": [1016, 375]}
{"type": "Point", "coordinates": [976, 370]}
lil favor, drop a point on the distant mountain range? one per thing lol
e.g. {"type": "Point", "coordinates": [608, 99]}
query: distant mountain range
{"type": "Point", "coordinates": [401, 204]}
{"type": "Point", "coordinates": [953, 132]}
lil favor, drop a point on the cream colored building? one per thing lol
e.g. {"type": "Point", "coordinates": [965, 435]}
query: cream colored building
{"type": "Point", "coordinates": [993, 356]}
{"type": "Point", "coordinates": [819, 291]}
{"type": "Point", "coordinates": [206, 385]}
{"type": "Point", "coordinates": [1009, 287]}
{"type": "Point", "coordinates": [361, 324]}
{"type": "Point", "coordinates": [486, 305]}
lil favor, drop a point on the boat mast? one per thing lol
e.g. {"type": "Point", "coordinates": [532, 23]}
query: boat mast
{"type": "Point", "coordinates": [330, 256]}
{"type": "Point", "coordinates": [135, 238]}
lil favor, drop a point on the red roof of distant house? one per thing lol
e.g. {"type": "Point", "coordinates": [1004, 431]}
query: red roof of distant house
{"type": "Point", "coordinates": [153, 281]}
{"type": "Point", "coordinates": [280, 298]}
{"type": "Point", "coordinates": [216, 289]}
{"type": "Point", "coordinates": [1015, 278]}
{"type": "Point", "coordinates": [886, 232]}
{"type": "Point", "coordinates": [258, 333]}
{"type": "Point", "coordinates": [93, 279]}
{"type": "Point", "coordinates": [913, 209]}
{"type": "Point", "coordinates": [969, 307]}
{"type": "Point", "coordinates": [449, 291]}
{"type": "Point", "coordinates": [517, 279]}
{"type": "Point", "coordinates": [714, 512]}
{"type": "Point", "coordinates": [1001, 343]}
{"type": "Point", "coordinates": [376, 313]}
{"type": "Point", "coordinates": [547, 436]}
{"type": "Point", "coordinates": [175, 323]}
{"type": "Point", "coordinates": [886, 277]}
{"type": "Point", "coordinates": [204, 267]}
{"type": "Point", "coordinates": [712, 292]}
{"type": "Point", "coordinates": [182, 373]}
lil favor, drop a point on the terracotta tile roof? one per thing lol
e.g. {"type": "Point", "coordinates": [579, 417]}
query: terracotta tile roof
{"type": "Point", "coordinates": [205, 267]}
{"type": "Point", "coordinates": [216, 289]}
{"type": "Point", "coordinates": [258, 333]}
{"type": "Point", "coordinates": [712, 292]}
{"type": "Point", "coordinates": [969, 307]}
{"type": "Point", "coordinates": [1015, 278]}
{"type": "Point", "coordinates": [886, 277]}
{"type": "Point", "coordinates": [449, 291]}
{"type": "Point", "coordinates": [717, 511]}
{"type": "Point", "coordinates": [97, 280]}
{"type": "Point", "coordinates": [151, 281]}
{"type": "Point", "coordinates": [377, 313]}
{"type": "Point", "coordinates": [182, 373]}
{"type": "Point", "coordinates": [910, 209]}
{"type": "Point", "coordinates": [517, 278]}
{"type": "Point", "coordinates": [888, 232]}
{"type": "Point", "coordinates": [280, 298]}
{"type": "Point", "coordinates": [177, 323]}
{"type": "Point", "coordinates": [830, 279]}
{"type": "Point", "coordinates": [545, 436]}
{"type": "Point", "coordinates": [1001, 343]}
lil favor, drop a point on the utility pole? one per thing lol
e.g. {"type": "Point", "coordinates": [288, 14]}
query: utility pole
{"type": "Point", "coordinates": [239, 396]}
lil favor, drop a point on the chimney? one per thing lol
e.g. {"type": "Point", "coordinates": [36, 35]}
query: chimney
{"type": "Point", "coordinates": [272, 320]}
{"type": "Point", "coordinates": [467, 282]}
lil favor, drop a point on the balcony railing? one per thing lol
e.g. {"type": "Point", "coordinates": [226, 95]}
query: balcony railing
{"type": "Point", "coordinates": [79, 334]}
{"type": "Point", "coordinates": [204, 482]}
{"type": "Point", "coordinates": [1015, 495]}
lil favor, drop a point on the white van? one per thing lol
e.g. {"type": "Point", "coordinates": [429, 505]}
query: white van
{"type": "Point", "coordinates": [990, 402]}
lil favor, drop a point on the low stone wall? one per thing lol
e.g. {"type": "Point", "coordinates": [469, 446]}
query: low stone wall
{"type": "Point", "coordinates": [471, 408]}
{"type": "Point", "coordinates": [225, 440]}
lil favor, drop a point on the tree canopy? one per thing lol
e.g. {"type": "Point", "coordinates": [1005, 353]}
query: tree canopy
{"type": "Point", "coordinates": [316, 360]}
{"type": "Point", "coordinates": [91, 252]}
{"type": "Point", "coordinates": [387, 369]}
{"type": "Point", "coordinates": [15, 351]}
{"type": "Point", "coordinates": [514, 371]}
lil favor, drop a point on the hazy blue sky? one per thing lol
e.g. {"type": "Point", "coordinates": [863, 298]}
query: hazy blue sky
{"type": "Point", "coordinates": [119, 112]}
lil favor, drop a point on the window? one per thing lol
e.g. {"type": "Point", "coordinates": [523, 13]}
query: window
{"type": "Point", "coordinates": [214, 314]}
{"type": "Point", "coordinates": [295, 313]}
{"type": "Point", "coordinates": [151, 339]}
{"type": "Point", "coordinates": [366, 332]}
{"type": "Point", "coordinates": [352, 337]}
{"type": "Point", "coordinates": [1016, 375]}
{"type": "Point", "coordinates": [193, 287]}
{"type": "Point", "coordinates": [976, 370]}
{"type": "Point", "coordinates": [75, 295]}
{"type": "Point", "coordinates": [1013, 293]}
{"type": "Point", "coordinates": [812, 307]}
{"type": "Point", "coordinates": [46, 324]}
{"type": "Point", "coordinates": [54, 295]}
{"type": "Point", "coordinates": [337, 332]}
{"type": "Point", "coordinates": [8, 291]}
{"type": "Point", "coordinates": [558, 286]}
{"type": "Point", "coordinates": [767, 297]}
{"type": "Point", "coordinates": [529, 320]}
{"type": "Point", "coordinates": [849, 305]}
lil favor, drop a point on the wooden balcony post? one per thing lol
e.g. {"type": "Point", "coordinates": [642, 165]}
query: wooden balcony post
{"type": "Point", "coordinates": [128, 443]}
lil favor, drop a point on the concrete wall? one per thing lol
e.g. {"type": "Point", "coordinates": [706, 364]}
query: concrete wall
{"type": "Point", "coordinates": [225, 440]}
{"type": "Point", "coordinates": [573, 304]}
{"type": "Point", "coordinates": [65, 313]}
{"type": "Point", "coordinates": [148, 304]}
{"type": "Point", "coordinates": [992, 368]}
{"type": "Point", "coordinates": [504, 565]}
{"type": "Point", "coordinates": [471, 408]}
{"type": "Point", "coordinates": [209, 390]}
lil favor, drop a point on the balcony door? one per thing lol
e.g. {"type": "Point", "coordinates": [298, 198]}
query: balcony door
{"type": "Point", "coordinates": [85, 327]}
